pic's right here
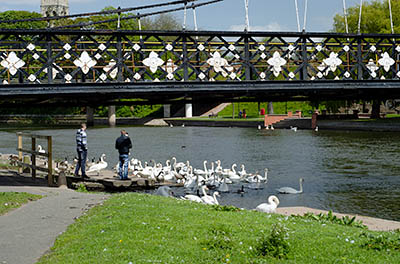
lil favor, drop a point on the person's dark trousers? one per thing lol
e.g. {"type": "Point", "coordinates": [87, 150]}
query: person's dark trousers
{"type": "Point", "coordinates": [82, 154]}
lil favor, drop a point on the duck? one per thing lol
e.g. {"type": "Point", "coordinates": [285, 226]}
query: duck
{"type": "Point", "coordinates": [290, 190]}
{"type": "Point", "coordinates": [293, 128]}
{"type": "Point", "coordinates": [269, 207]}
{"type": "Point", "coordinates": [99, 166]}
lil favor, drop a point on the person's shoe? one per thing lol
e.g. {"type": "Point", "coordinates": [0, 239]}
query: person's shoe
{"type": "Point", "coordinates": [85, 177]}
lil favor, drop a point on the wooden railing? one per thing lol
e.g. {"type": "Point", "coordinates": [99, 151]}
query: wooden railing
{"type": "Point", "coordinates": [34, 154]}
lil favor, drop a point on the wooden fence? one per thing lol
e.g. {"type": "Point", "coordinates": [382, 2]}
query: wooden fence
{"type": "Point", "coordinates": [34, 154]}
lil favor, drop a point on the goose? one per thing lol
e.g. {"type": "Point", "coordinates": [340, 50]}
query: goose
{"type": "Point", "coordinates": [269, 207]}
{"type": "Point", "coordinates": [290, 190]}
{"type": "Point", "coordinates": [293, 128]}
{"type": "Point", "coordinates": [99, 166]}
{"type": "Point", "coordinates": [212, 200]}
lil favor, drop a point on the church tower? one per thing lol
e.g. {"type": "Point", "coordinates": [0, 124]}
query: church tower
{"type": "Point", "coordinates": [54, 8]}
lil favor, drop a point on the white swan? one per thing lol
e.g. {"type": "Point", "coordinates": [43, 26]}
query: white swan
{"type": "Point", "coordinates": [231, 173]}
{"type": "Point", "coordinates": [99, 166]}
{"type": "Point", "coordinates": [195, 198]}
{"type": "Point", "coordinates": [40, 149]}
{"type": "Point", "coordinates": [201, 172]}
{"type": "Point", "coordinates": [212, 200]}
{"type": "Point", "coordinates": [269, 207]}
{"type": "Point", "coordinates": [290, 190]}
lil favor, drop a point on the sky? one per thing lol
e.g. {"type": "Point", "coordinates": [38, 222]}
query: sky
{"type": "Point", "coordinates": [264, 15]}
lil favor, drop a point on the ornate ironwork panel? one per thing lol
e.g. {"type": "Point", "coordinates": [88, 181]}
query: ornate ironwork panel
{"type": "Point", "coordinates": [53, 57]}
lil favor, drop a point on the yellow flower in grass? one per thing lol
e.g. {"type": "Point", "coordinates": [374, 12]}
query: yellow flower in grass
{"type": "Point", "coordinates": [120, 241]}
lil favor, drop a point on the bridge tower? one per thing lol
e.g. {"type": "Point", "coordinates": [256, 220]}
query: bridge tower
{"type": "Point", "coordinates": [54, 8]}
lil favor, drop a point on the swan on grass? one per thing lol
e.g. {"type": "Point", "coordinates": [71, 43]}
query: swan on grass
{"type": "Point", "coordinates": [290, 190]}
{"type": "Point", "coordinates": [99, 166]}
{"type": "Point", "coordinates": [269, 207]}
{"type": "Point", "coordinates": [212, 200]}
{"type": "Point", "coordinates": [195, 198]}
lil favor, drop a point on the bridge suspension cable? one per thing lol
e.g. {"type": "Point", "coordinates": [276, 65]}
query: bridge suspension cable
{"type": "Point", "coordinates": [297, 15]}
{"type": "Point", "coordinates": [345, 16]}
{"type": "Point", "coordinates": [247, 22]}
{"type": "Point", "coordinates": [391, 16]}
{"type": "Point", "coordinates": [305, 15]}
{"type": "Point", "coordinates": [359, 18]}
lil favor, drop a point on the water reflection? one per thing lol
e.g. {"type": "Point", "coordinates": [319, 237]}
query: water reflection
{"type": "Point", "coordinates": [350, 172]}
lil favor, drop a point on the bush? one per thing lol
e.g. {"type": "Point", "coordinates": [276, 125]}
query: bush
{"type": "Point", "coordinates": [381, 242]}
{"type": "Point", "coordinates": [220, 237]}
{"type": "Point", "coordinates": [275, 244]}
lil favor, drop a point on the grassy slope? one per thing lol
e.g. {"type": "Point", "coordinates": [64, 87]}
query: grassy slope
{"type": "Point", "coordinates": [279, 108]}
{"type": "Point", "coordinates": [139, 228]}
{"type": "Point", "coordinates": [11, 200]}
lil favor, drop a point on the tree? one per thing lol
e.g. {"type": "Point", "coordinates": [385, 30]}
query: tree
{"type": "Point", "coordinates": [16, 15]}
{"type": "Point", "coordinates": [375, 18]}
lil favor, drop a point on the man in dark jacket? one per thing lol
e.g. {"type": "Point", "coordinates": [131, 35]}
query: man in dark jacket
{"type": "Point", "coordinates": [81, 148]}
{"type": "Point", "coordinates": [123, 144]}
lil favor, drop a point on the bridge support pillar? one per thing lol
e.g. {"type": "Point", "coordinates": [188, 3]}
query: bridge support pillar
{"type": "Point", "coordinates": [112, 121]}
{"type": "Point", "coordinates": [89, 116]}
{"type": "Point", "coordinates": [376, 109]}
{"type": "Point", "coordinates": [167, 110]}
{"type": "Point", "coordinates": [188, 110]}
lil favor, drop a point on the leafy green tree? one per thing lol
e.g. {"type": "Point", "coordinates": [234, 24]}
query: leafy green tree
{"type": "Point", "coordinates": [375, 18]}
{"type": "Point", "coordinates": [16, 15]}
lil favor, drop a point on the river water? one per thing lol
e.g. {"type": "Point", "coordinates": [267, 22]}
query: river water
{"type": "Point", "coordinates": [344, 171]}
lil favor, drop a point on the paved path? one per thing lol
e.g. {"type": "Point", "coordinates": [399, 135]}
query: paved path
{"type": "Point", "coordinates": [29, 231]}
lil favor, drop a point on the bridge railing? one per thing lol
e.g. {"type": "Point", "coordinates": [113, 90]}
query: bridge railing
{"type": "Point", "coordinates": [56, 57]}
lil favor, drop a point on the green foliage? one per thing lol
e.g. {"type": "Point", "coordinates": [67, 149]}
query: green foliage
{"type": "Point", "coordinates": [11, 200]}
{"type": "Point", "coordinates": [16, 15]}
{"type": "Point", "coordinates": [381, 242]}
{"type": "Point", "coordinates": [226, 208]}
{"type": "Point", "coordinates": [375, 18]}
{"type": "Point", "coordinates": [275, 244]}
{"type": "Point", "coordinates": [219, 237]}
{"type": "Point", "coordinates": [331, 218]}
{"type": "Point", "coordinates": [82, 188]}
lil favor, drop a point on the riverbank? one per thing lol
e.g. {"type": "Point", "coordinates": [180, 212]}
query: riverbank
{"type": "Point", "coordinates": [388, 125]}
{"type": "Point", "coordinates": [140, 228]}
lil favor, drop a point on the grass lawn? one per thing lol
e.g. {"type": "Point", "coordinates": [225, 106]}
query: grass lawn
{"type": "Point", "coordinates": [279, 108]}
{"type": "Point", "coordinates": [11, 200]}
{"type": "Point", "coordinates": [139, 228]}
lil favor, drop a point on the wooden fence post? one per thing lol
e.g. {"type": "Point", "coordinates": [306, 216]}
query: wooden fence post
{"type": "Point", "coordinates": [20, 169]}
{"type": "Point", "coordinates": [33, 158]}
